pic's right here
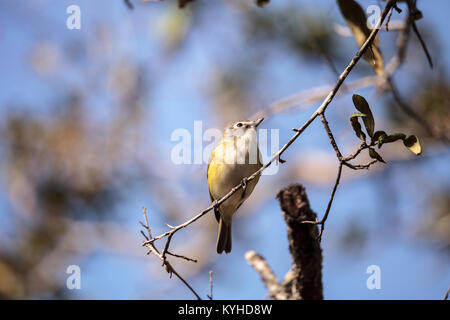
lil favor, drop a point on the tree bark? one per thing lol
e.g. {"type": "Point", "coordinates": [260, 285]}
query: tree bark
{"type": "Point", "coordinates": [305, 279]}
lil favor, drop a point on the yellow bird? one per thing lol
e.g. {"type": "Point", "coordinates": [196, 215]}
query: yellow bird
{"type": "Point", "coordinates": [235, 158]}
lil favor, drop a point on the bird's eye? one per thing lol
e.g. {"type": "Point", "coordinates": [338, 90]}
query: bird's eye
{"type": "Point", "coordinates": [239, 124]}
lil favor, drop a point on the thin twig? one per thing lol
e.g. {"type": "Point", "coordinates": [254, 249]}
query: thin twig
{"type": "Point", "coordinates": [210, 296]}
{"type": "Point", "coordinates": [166, 263]}
{"type": "Point", "coordinates": [330, 136]}
{"type": "Point", "coordinates": [360, 166]}
{"type": "Point", "coordinates": [415, 116]}
{"type": "Point", "coordinates": [181, 256]}
{"type": "Point", "coordinates": [352, 156]}
{"type": "Point", "coordinates": [422, 42]}
{"type": "Point", "coordinates": [389, 19]}
{"type": "Point", "coordinates": [330, 202]}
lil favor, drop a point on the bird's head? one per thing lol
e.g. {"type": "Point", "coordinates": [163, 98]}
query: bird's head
{"type": "Point", "coordinates": [242, 128]}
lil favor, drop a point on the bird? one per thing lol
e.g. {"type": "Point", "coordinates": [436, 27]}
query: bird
{"type": "Point", "coordinates": [233, 160]}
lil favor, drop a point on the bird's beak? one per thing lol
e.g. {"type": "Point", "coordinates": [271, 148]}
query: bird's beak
{"type": "Point", "coordinates": [256, 123]}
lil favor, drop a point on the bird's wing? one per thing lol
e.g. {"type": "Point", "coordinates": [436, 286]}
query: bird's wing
{"type": "Point", "coordinates": [216, 210]}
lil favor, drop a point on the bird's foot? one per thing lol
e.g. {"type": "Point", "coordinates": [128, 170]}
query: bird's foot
{"type": "Point", "coordinates": [244, 183]}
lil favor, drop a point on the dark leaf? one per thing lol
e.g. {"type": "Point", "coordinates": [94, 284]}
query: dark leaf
{"type": "Point", "coordinates": [358, 114]}
{"type": "Point", "coordinates": [374, 155]}
{"type": "Point", "coordinates": [362, 106]}
{"type": "Point", "coordinates": [356, 19]}
{"type": "Point", "coordinates": [183, 3]}
{"type": "Point", "coordinates": [392, 138]}
{"type": "Point", "coordinates": [377, 136]}
{"type": "Point", "coordinates": [357, 128]}
{"type": "Point", "coordinates": [262, 3]}
{"type": "Point", "coordinates": [413, 144]}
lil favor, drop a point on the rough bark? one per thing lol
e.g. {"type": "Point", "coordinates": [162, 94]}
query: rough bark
{"type": "Point", "coordinates": [305, 279]}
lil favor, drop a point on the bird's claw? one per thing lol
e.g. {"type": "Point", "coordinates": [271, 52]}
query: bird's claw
{"type": "Point", "coordinates": [244, 183]}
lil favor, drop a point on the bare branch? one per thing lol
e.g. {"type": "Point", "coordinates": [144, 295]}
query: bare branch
{"type": "Point", "coordinates": [210, 296]}
{"type": "Point", "coordinates": [330, 136]}
{"type": "Point", "coordinates": [166, 263]}
{"type": "Point", "coordinates": [269, 279]}
{"type": "Point", "coordinates": [330, 202]}
{"type": "Point", "coordinates": [407, 109]}
{"type": "Point", "coordinates": [181, 256]}
{"type": "Point", "coordinates": [422, 42]}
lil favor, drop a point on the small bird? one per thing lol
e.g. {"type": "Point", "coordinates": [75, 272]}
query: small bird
{"type": "Point", "coordinates": [235, 158]}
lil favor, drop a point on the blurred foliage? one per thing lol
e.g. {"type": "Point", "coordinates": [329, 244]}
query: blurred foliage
{"type": "Point", "coordinates": [61, 166]}
{"type": "Point", "coordinates": [301, 30]}
{"type": "Point", "coordinates": [431, 100]}
{"type": "Point", "coordinates": [56, 171]}
{"type": "Point", "coordinates": [436, 225]}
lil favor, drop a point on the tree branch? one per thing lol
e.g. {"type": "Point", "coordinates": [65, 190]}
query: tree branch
{"type": "Point", "coordinates": [270, 280]}
{"type": "Point", "coordinates": [304, 280]}
{"type": "Point", "coordinates": [166, 263]}
{"type": "Point", "coordinates": [149, 242]}
{"type": "Point", "coordinates": [303, 244]}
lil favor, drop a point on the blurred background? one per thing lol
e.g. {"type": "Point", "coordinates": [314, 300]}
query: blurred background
{"type": "Point", "coordinates": [86, 118]}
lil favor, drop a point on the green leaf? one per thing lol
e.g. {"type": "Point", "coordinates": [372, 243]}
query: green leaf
{"type": "Point", "coordinates": [358, 114]}
{"type": "Point", "coordinates": [394, 137]}
{"type": "Point", "coordinates": [391, 138]}
{"type": "Point", "coordinates": [381, 140]}
{"type": "Point", "coordinates": [362, 106]}
{"type": "Point", "coordinates": [378, 136]}
{"type": "Point", "coordinates": [413, 144]}
{"type": "Point", "coordinates": [357, 128]}
{"type": "Point", "coordinates": [374, 155]}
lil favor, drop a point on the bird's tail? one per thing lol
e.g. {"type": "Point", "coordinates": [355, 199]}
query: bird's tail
{"type": "Point", "coordinates": [224, 236]}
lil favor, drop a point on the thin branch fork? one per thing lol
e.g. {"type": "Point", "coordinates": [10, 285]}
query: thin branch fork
{"type": "Point", "coordinates": [342, 161]}
{"type": "Point", "coordinates": [166, 263]}
{"type": "Point", "coordinates": [398, 60]}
